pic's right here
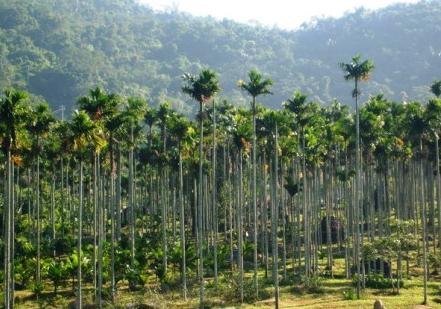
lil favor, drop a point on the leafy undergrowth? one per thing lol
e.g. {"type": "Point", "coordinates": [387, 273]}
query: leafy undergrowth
{"type": "Point", "coordinates": [295, 292]}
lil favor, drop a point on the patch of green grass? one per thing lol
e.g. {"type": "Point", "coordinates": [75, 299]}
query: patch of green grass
{"type": "Point", "coordinates": [321, 292]}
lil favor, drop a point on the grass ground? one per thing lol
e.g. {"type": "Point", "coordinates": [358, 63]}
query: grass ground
{"type": "Point", "coordinates": [328, 293]}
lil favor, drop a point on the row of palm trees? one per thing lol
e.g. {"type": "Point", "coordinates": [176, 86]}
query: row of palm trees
{"type": "Point", "coordinates": [121, 174]}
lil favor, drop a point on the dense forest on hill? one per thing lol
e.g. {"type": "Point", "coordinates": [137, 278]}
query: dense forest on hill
{"type": "Point", "coordinates": [164, 188]}
{"type": "Point", "coordinates": [58, 49]}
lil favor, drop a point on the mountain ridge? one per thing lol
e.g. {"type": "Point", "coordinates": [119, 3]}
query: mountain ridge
{"type": "Point", "coordinates": [59, 50]}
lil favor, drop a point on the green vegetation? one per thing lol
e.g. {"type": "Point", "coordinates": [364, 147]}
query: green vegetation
{"type": "Point", "coordinates": [126, 203]}
{"type": "Point", "coordinates": [58, 49]}
{"type": "Point", "coordinates": [246, 205]}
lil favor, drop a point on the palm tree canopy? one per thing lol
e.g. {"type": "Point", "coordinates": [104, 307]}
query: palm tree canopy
{"type": "Point", "coordinates": [13, 113]}
{"type": "Point", "coordinates": [436, 88]}
{"type": "Point", "coordinates": [41, 119]}
{"type": "Point", "coordinates": [302, 110]}
{"type": "Point", "coordinates": [242, 131]}
{"type": "Point", "coordinates": [150, 116]}
{"type": "Point", "coordinates": [135, 110]}
{"type": "Point", "coordinates": [357, 69]}
{"type": "Point", "coordinates": [85, 132]}
{"type": "Point", "coordinates": [98, 104]}
{"type": "Point", "coordinates": [433, 115]}
{"type": "Point", "coordinates": [164, 113]}
{"type": "Point", "coordinates": [203, 87]}
{"type": "Point", "coordinates": [257, 85]}
{"type": "Point", "coordinates": [127, 122]}
{"type": "Point", "coordinates": [296, 104]}
{"type": "Point", "coordinates": [414, 121]}
{"type": "Point", "coordinates": [179, 126]}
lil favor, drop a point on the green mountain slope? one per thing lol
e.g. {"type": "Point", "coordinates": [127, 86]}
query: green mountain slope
{"type": "Point", "coordinates": [59, 49]}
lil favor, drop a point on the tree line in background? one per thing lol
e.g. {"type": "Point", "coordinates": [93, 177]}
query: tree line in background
{"type": "Point", "coordinates": [58, 49]}
{"type": "Point", "coordinates": [124, 192]}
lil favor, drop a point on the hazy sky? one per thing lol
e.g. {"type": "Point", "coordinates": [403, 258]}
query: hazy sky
{"type": "Point", "coordinates": [287, 14]}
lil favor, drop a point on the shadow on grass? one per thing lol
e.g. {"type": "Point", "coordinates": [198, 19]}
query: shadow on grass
{"type": "Point", "coordinates": [437, 300]}
{"type": "Point", "coordinates": [302, 290]}
{"type": "Point", "coordinates": [384, 293]}
{"type": "Point", "coordinates": [46, 296]}
{"type": "Point", "coordinates": [337, 284]}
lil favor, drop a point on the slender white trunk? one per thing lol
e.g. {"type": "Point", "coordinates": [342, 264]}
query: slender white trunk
{"type": "Point", "coordinates": [199, 213]}
{"type": "Point", "coordinates": [254, 189]}
{"type": "Point", "coordinates": [182, 225]}
{"type": "Point", "coordinates": [424, 224]}
{"type": "Point", "coordinates": [80, 227]}
{"type": "Point", "coordinates": [276, 222]}
{"type": "Point", "coordinates": [214, 197]}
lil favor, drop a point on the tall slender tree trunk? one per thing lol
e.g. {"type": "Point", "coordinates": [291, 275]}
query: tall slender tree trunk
{"type": "Point", "coordinates": [240, 225]}
{"type": "Point", "coordinates": [7, 231]}
{"type": "Point", "coordinates": [95, 217]}
{"type": "Point", "coordinates": [306, 242]}
{"type": "Point", "coordinates": [182, 225]}
{"type": "Point", "coordinates": [132, 202]}
{"type": "Point", "coordinates": [114, 221]}
{"type": "Point", "coordinates": [80, 228]}
{"type": "Point", "coordinates": [357, 188]}
{"type": "Point", "coordinates": [438, 186]}
{"type": "Point", "coordinates": [230, 208]}
{"type": "Point", "coordinates": [214, 197]}
{"type": "Point", "coordinates": [38, 200]}
{"type": "Point", "coordinates": [265, 214]}
{"type": "Point", "coordinates": [424, 223]}
{"type": "Point", "coordinates": [118, 192]}
{"type": "Point", "coordinates": [275, 222]}
{"type": "Point", "coordinates": [53, 205]}
{"type": "Point", "coordinates": [283, 218]}
{"type": "Point", "coordinates": [200, 207]}
{"type": "Point", "coordinates": [62, 197]}
{"type": "Point", "coordinates": [254, 189]}
{"type": "Point", "coordinates": [101, 238]}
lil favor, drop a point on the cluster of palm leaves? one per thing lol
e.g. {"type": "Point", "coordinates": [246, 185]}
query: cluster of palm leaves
{"type": "Point", "coordinates": [123, 190]}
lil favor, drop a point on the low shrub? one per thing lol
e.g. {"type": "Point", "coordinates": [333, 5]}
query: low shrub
{"type": "Point", "coordinates": [377, 281]}
{"type": "Point", "coordinates": [229, 289]}
{"type": "Point", "coordinates": [349, 294]}
{"type": "Point", "coordinates": [313, 284]}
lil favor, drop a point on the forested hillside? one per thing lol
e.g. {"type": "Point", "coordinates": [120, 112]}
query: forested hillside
{"type": "Point", "coordinates": [58, 49]}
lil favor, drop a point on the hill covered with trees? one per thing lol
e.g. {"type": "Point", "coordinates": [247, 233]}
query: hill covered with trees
{"type": "Point", "coordinates": [58, 49]}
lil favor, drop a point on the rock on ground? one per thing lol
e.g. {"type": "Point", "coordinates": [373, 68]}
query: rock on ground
{"type": "Point", "coordinates": [379, 305]}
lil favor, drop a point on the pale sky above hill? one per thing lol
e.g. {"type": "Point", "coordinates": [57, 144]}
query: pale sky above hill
{"type": "Point", "coordinates": [286, 14]}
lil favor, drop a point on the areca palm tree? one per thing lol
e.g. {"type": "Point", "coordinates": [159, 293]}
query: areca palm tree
{"type": "Point", "coordinates": [241, 137]}
{"type": "Point", "coordinates": [150, 119]}
{"type": "Point", "coordinates": [357, 70]}
{"type": "Point", "coordinates": [433, 119]}
{"type": "Point", "coordinates": [103, 109]}
{"type": "Point", "coordinates": [95, 104]}
{"type": "Point", "coordinates": [182, 130]}
{"type": "Point", "coordinates": [274, 121]}
{"type": "Point", "coordinates": [13, 115]}
{"type": "Point", "coordinates": [133, 113]}
{"type": "Point", "coordinates": [201, 88]}
{"type": "Point", "coordinates": [41, 119]}
{"type": "Point", "coordinates": [299, 107]}
{"type": "Point", "coordinates": [416, 128]}
{"type": "Point", "coordinates": [164, 113]}
{"type": "Point", "coordinates": [214, 191]}
{"type": "Point", "coordinates": [53, 155]}
{"type": "Point", "coordinates": [84, 133]}
{"type": "Point", "coordinates": [257, 85]}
